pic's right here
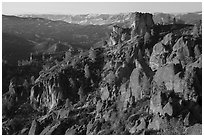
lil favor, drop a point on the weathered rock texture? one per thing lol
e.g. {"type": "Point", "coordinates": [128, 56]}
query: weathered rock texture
{"type": "Point", "coordinates": [119, 89]}
{"type": "Point", "coordinates": [141, 23]}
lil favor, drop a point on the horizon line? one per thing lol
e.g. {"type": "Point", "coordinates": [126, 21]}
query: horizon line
{"type": "Point", "coordinates": [99, 13]}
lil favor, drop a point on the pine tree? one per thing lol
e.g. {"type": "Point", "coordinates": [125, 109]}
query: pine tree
{"type": "Point", "coordinates": [32, 79]}
{"type": "Point", "coordinates": [195, 31]}
{"type": "Point", "coordinates": [87, 72]}
{"type": "Point", "coordinates": [67, 55]}
{"type": "Point", "coordinates": [92, 54]}
{"type": "Point", "coordinates": [174, 20]}
{"type": "Point", "coordinates": [81, 94]}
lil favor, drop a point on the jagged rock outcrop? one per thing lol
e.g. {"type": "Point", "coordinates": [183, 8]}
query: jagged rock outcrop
{"type": "Point", "coordinates": [141, 23]}
{"type": "Point", "coordinates": [128, 80]}
{"type": "Point", "coordinates": [119, 89]}
{"type": "Point", "coordinates": [139, 84]}
{"type": "Point", "coordinates": [160, 52]}
{"type": "Point", "coordinates": [119, 35]}
{"type": "Point", "coordinates": [34, 129]}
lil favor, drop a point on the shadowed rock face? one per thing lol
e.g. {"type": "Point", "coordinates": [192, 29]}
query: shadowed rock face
{"type": "Point", "coordinates": [141, 23]}
{"type": "Point", "coordinates": [116, 89]}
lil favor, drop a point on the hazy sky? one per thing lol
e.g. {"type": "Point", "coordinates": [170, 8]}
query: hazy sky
{"type": "Point", "coordinates": [97, 7]}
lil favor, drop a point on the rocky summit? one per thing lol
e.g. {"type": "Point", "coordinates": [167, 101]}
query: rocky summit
{"type": "Point", "coordinates": [146, 79]}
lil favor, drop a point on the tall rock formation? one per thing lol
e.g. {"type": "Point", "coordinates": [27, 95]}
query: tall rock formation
{"type": "Point", "coordinates": [141, 23]}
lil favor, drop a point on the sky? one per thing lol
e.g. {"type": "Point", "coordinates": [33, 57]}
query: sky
{"type": "Point", "coordinates": [14, 8]}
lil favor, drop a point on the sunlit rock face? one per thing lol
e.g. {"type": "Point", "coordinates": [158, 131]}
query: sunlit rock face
{"type": "Point", "coordinates": [141, 23]}
{"type": "Point", "coordinates": [119, 34]}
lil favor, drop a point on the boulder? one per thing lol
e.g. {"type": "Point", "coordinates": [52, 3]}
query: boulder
{"type": "Point", "coordinates": [107, 115]}
{"type": "Point", "coordinates": [24, 131]}
{"type": "Point", "coordinates": [180, 43]}
{"type": "Point", "coordinates": [50, 129]}
{"type": "Point", "coordinates": [194, 130]}
{"type": "Point", "coordinates": [99, 106]}
{"type": "Point", "coordinates": [124, 97]}
{"type": "Point", "coordinates": [104, 93]}
{"type": "Point", "coordinates": [167, 40]}
{"type": "Point", "coordinates": [35, 128]}
{"type": "Point", "coordinates": [166, 75]}
{"type": "Point", "coordinates": [197, 51]}
{"type": "Point", "coordinates": [139, 84]}
{"type": "Point", "coordinates": [70, 131]}
{"type": "Point", "coordinates": [63, 113]}
{"type": "Point", "coordinates": [192, 84]}
{"type": "Point", "coordinates": [142, 125]}
{"type": "Point", "coordinates": [155, 102]}
{"type": "Point", "coordinates": [123, 73]}
{"type": "Point", "coordinates": [108, 66]}
{"type": "Point", "coordinates": [89, 127]}
{"type": "Point", "coordinates": [139, 126]}
{"type": "Point", "coordinates": [178, 83]}
{"type": "Point", "coordinates": [181, 52]}
{"type": "Point", "coordinates": [186, 120]}
{"type": "Point", "coordinates": [155, 124]}
{"type": "Point", "coordinates": [196, 64]}
{"type": "Point", "coordinates": [168, 109]}
{"type": "Point", "coordinates": [110, 78]}
{"type": "Point", "coordinates": [118, 35]}
{"type": "Point", "coordinates": [158, 56]}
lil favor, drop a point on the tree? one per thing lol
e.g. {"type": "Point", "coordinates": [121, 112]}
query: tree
{"type": "Point", "coordinates": [32, 79]}
{"type": "Point", "coordinates": [87, 71]}
{"type": "Point", "coordinates": [195, 31]}
{"type": "Point", "coordinates": [200, 27]}
{"type": "Point", "coordinates": [26, 84]}
{"type": "Point", "coordinates": [169, 19]}
{"type": "Point", "coordinates": [68, 55]}
{"type": "Point", "coordinates": [92, 54]}
{"type": "Point", "coordinates": [31, 56]}
{"type": "Point", "coordinates": [81, 94]}
{"type": "Point", "coordinates": [19, 63]}
{"type": "Point", "coordinates": [174, 20]}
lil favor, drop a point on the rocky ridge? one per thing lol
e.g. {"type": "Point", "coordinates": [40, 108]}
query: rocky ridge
{"type": "Point", "coordinates": [146, 82]}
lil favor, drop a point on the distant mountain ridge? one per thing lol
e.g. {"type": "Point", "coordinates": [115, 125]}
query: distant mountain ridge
{"type": "Point", "coordinates": [85, 19]}
{"type": "Point", "coordinates": [40, 29]}
{"type": "Point", "coordinates": [102, 19]}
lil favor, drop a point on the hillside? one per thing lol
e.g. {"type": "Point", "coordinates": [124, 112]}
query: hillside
{"type": "Point", "coordinates": [44, 34]}
{"type": "Point", "coordinates": [146, 80]}
{"type": "Point", "coordinates": [39, 29]}
{"type": "Point", "coordinates": [15, 48]}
